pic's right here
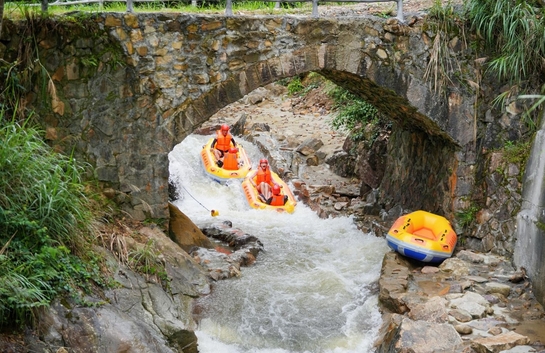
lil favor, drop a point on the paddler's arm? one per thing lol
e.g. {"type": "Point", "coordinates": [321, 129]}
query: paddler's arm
{"type": "Point", "coordinates": [251, 178]}
{"type": "Point", "coordinates": [213, 144]}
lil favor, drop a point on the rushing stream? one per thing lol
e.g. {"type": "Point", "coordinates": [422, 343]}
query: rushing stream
{"type": "Point", "coordinates": [312, 290]}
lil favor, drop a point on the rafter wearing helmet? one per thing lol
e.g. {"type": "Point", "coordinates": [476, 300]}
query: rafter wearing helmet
{"type": "Point", "coordinates": [230, 160]}
{"type": "Point", "coordinates": [262, 180]}
{"type": "Point", "coordinates": [277, 199]}
{"type": "Point", "coordinates": [222, 143]}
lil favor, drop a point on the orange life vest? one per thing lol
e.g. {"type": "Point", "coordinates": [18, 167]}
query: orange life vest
{"type": "Point", "coordinates": [230, 161]}
{"type": "Point", "coordinates": [223, 143]}
{"type": "Point", "coordinates": [277, 200]}
{"type": "Point", "coordinates": [263, 176]}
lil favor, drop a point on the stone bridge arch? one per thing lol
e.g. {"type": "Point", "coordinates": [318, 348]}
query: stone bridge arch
{"type": "Point", "coordinates": [405, 98]}
{"type": "Point", "coordinates": [422, 161]}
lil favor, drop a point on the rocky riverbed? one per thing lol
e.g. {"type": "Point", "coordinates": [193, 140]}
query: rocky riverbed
{"type": "Point", "coordinates": [472, 302]}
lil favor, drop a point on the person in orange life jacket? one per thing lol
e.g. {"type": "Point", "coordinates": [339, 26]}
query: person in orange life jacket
{"type": "Point", "coordinates": [230, 160]}
{"type": "Point", "coordinates": [262, 180]}
{"type": "Point", "coordinates": [277, 199]}
{"type": "Point", "coordinates": [222, 143]}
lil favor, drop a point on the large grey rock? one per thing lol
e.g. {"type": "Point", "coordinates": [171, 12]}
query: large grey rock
{"type": "Point", "coordinates": [421, 337]}
{"type": "Point", "coordinates": [495, 287]}
{"type": "Point", "coordinates": [472, 303]}
{"type": "Point", "coordinates": [455, 266]}
{"type": "Point", "coordinates": [433, 310]}
{"type": "Point", "coordinates": [104, 329]}
{"type": "Point", "coordinates": [309, 146]}
{"type": "Point", "coordinates": [187, 277]}
{"type": "Point", "coordinates": [393, 283]}
{"type": "Point", "coordinates": [501, 342]}
{"type": "Point", "coordinates": [138, 315]}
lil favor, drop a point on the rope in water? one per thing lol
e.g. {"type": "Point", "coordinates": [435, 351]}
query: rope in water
{"type": "Point", "coordinates": [213, 213]}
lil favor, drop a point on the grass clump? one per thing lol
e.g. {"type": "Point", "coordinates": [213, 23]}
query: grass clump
{"type": "Point", "coordinates": [513, 31]}
{"type": "Point", "coordinates": [446, 22]}
{"type": "Point", "coordinates": [295, 86]}
{"type": "Point", "coordinates": [146, 260]}
{"type": "Point", "coordinates": [45, 224]}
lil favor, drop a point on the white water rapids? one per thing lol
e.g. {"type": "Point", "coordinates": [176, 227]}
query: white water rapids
{"type": "Point", "coordinates": [312, 290]}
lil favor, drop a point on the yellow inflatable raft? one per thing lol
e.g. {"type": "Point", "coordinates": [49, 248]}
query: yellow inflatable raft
{"type": "Point", "coordinates": [422, 236]}
{"type": "Point", "coordinates": [253, 198]}
{"type": "Point", "coordinates": [222, 175]}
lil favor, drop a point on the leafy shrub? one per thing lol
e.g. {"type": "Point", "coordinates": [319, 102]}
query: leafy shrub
{"type": "Point", "coordinates": [353, 113]}
{"type": "Point", "coordinates": [44, 222]}
{"type": "Point", "coordinates": [295, 86]}
{"type": "Point", "coordinates": [517, 152]}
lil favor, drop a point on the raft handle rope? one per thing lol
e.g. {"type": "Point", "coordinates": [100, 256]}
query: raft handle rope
{"type": "Point", "coordinates": [213, 213]}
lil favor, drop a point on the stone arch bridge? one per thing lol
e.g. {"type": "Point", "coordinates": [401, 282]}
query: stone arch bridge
{"type": "Point", "coordinates": [129, 87]}
{"type": "Point", "coordinates": [132, 86]}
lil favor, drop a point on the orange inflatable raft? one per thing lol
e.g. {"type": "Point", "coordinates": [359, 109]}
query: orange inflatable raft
{"type": "Point", "coordinates": [422, 236]}
{"type": "Point", "coordinates": [223, 174]}
{"type": "Point", "coordinates": [253, 196]}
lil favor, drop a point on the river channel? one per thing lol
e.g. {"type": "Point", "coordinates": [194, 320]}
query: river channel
{"type": "Point", "coordinates": [313, 289]}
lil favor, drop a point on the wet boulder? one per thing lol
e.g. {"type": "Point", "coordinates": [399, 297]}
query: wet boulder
{"type": "Point", "coordinates": [184, 232]}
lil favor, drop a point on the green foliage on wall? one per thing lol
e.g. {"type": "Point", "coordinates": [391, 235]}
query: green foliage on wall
{"type": "Point", "coordinates": [295, 86]}
{"type": "Point", "coordinates": [445, 22]}
{"type": "Point", "coordinates": [517, 152]}
{"type": "Point", "coordinates": [466, 216]}
{"type": "Point", "coordinates": [512, 34]}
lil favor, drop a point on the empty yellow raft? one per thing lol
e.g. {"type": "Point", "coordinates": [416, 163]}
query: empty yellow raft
{"type": "Point", "coordinates": [253, 198]}
{"type": "Point", "coordinates": [422, 236]}
{"type": "Point", "coordinates": [222, 175]}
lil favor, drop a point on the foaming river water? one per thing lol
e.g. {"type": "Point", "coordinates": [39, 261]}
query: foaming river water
{"type": "Point", "coordinates": [312, 290]}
